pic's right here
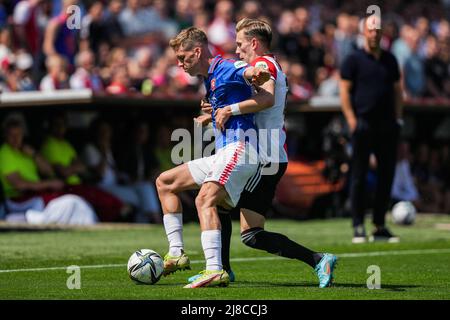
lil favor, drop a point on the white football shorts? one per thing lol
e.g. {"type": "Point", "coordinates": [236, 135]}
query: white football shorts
{"type": "Point", "coordinates": [231, 166]}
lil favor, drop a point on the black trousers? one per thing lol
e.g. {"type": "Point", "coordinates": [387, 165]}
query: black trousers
{"type": "Point", "coordinates": [381, 138]}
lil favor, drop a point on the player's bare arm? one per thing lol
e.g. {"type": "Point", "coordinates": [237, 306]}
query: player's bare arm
{"type": "Point", "coordinates": [263, 99]}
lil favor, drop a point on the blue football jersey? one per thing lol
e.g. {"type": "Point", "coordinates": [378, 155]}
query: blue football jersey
{"type": "Point", "coordinates": [226, 85]}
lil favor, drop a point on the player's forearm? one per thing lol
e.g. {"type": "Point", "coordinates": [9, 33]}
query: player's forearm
{"type": "Point", "coordinates": [260, 101]}
{"type": "Point", "coordinates": [347, 108]}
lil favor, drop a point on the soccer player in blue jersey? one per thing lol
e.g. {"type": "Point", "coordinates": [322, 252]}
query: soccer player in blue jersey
{"type": "Point", "coordinates": [221, 177]}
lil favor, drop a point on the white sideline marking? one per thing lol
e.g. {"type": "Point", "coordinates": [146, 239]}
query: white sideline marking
{"type": "Point", "coordinates": [339, 255]}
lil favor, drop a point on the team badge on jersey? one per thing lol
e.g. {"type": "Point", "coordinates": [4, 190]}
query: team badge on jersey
{"type": "Point", "coordinates": [240, 64]}
{"type": "Point", "coordinates": [262, 64]}
{"type": "Point", "coordinates": [213, 84]}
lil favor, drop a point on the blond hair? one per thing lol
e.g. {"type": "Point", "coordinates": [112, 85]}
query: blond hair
{"type": "Point", "coordinates": [255, 28]}
{"type": "Point", "coordinates": [188, 38]}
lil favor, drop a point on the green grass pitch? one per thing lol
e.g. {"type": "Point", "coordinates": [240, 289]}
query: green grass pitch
{"type": "Point", "coordinates": [416, 268]}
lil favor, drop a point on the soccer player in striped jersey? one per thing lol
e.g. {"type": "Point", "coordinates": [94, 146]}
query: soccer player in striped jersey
{"type": "Point", "coordinates": [253, 38]}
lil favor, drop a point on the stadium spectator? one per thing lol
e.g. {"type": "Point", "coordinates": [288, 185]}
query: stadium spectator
{"type": "Point", "coordinates": [111, 23]}
{"type": "Point", "coordinates": [426, 171]}
{"type": "Point", "coordinates": [201, 20]}
{"type": "Point", "coordinates": [140, 66]}
{"type": "Point", "coordinates": [184, 14]}
{"type": "Point", "coordinates": [300, 28]}
{"type": "Point", "coordinates": [300, 88]}
{"type": "Point", "coordinates": [112, 60]}
{"type": "Point", "coordinates": [314, 35]}
{"type": "Point", "coordinates": [67, 165]}
{"type": "Point", "coordinates": [371, 102]}
{"type": "Point", "coordinates": [139, 163]}
{"type": "Point", "coordinates": [27, 33]}
{"type": "Point", "coordinates": [139, 18]}
{"type": "Point", "coordinates": [158, 78]}
{"type": "Point", "coordinates": [330, 86]}
{"type": "Point", "coordinates": [58, 38]}
{"type": "Point", "coordinates": [287, 39]}
{"type": "Point", "coordinates": [3, 16]}
{"type": "Point", "coordinates": [422, 27]}
{"type": "Point", "coordinates": [98, 156]}
{"type": "Point", "coordinates": [6, 54]}
{"type": "Point", "coordinates": [221, 32]}
{"type": "Point", "coordinates": [24, 173]}
{"type": "Point", "coordinates": [57, 75]}
{"type": "Point", "coordinates": [436, 70]}
{"type": "Point", "coordinates": [316, 55]}
{"type": "Point", "coordinates": [19, 76]}
{"type": "Point", "coordinates": [167, 26]}
{"type": "Point", "coordinates": [401, 48]}
{"type": "Point", "coordinates": [250, 9]}
{"type": "Point", "coordinates": [414, 80]}
{"type": "Point", "coordinates": [120, 81]}
{"type": "Point", "coordinates": [85, 76]}
{"type": "Point", "coordinates": [60, 153]}
{"type": "Point", "coordinates": [344, 37]}
{"type": "Point", "coordinates": [403, 186]}
{"type": "Point", "coordinates": [93, 29]}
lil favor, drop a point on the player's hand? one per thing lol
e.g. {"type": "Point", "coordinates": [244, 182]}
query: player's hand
{"type": "Point", "coordinates": [260, 76]}
{"type": "Point", "coordinates": [203, 120]}
{"type": "Point", "coordinates": [206, 107]}
{"type": "Point", "coordinates": [221, 116]}
{"type": "Point", "coordinates": [352, 123]}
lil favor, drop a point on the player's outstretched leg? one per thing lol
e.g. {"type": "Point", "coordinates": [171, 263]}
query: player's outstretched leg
{"type": "Point", "coordinates": [226, 230]}
{"type": "Point", "coordinates": [206, 202]}
{"type": "Point", "coordinates": [169, 184]}
{"type": "Point", "coordinates": [279, 244]}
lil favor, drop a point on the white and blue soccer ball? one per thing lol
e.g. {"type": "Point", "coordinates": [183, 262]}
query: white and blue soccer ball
{"type": "Point", "coordinates": [404, 213]}
{"type": "Point", "coordinates": [145, 266]}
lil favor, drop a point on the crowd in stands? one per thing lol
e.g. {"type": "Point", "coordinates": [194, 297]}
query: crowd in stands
{"type": "Point", "coordinates": [422, 176]}
{"type": "Point", "coordinates": [120, 46]}
{"type": "Point", "coordinates": [115, 178]}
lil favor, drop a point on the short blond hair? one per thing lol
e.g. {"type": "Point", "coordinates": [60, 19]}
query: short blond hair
{"type": "Point", "coordinates": [256, 28]}
{"type": "Point", "coordinates": [188, 38]}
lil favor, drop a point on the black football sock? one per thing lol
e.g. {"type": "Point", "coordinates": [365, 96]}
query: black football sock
{"type": "Point", "coordinates": [225, 221]}
{"type": "Point", "coordinates": [279, 244]}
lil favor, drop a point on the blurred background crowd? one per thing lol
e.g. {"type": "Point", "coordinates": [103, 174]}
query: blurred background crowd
{"type": "Point", "coordinates": [120, 47]}
{"type": "Point", "coordinates": [117, 46]}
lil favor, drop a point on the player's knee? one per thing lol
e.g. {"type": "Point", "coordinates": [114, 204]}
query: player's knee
{"type": "Point", "coordinates": [165, 183]}
{"type": "Point", "coordinates": [200, 200]}
{"type": "Point", "coordinates": [159, 183]}
{"type": "Point", "coordinates": [248, 237]}
{"type": "Point", "coordinates": [206, 198]}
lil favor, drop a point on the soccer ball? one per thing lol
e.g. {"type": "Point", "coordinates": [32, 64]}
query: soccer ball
{"type": "Point", "coordinates": [145, 266]}
{"type": "Point", "coordinates": [404, 213]}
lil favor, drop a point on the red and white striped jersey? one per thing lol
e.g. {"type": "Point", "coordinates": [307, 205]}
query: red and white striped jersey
{"type": "Point", "coordinates": [272, 140]}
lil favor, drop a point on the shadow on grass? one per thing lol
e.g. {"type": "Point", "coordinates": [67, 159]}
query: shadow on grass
{"type": "Point", "coordinates": [390, 287]}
